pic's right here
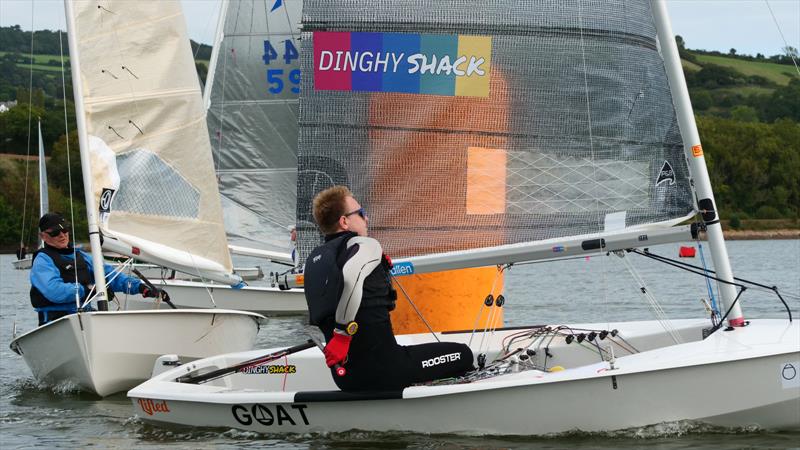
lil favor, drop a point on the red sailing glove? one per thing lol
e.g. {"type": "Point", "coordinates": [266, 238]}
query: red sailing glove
{"type": "Point", "coordinates": [336, 350]}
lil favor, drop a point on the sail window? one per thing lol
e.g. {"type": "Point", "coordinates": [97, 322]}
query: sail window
{"type": "Point", "coordinates": [150, 186]}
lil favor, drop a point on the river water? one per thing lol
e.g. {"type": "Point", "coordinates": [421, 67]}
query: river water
{"type": "Point", "coordinates": [582, 290]}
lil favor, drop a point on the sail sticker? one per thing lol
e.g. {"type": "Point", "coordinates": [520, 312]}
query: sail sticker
{"type": "Point", "coordinates": [790, 374]}
{"type": "Point", "coordinates": [150, 406]}
{"type": "Point", "coordinates": [402, 268]}
{"type": "Point", "coordinates": [279, 369]}
{"type": "Point", "coordinates": [448, 65]}
{"type": "Point", "coordinates": [269, 415]}
{"type": "Point", "coordinates": [666, 174]}
{"type": "Point", "coordinates": [105, 200]}
{"type": "Point", "coordinates": [697, 150]}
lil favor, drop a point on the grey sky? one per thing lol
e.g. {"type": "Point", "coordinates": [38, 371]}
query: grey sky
{"type": "Point", "coordinates": [745, 25]}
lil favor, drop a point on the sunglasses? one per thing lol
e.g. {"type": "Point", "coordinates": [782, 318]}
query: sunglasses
{"type": "Point", "coordinates": [360, 211]}
{"type": "Point", "coordinates": [56, 233]}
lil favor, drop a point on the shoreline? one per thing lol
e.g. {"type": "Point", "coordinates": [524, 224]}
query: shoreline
{"type": "Point", "coordinates": [743, 235]}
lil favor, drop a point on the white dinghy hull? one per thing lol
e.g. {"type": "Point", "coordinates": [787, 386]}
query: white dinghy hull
{"type": "Point", "coordinates": [696, 381]}
{"type": "Point", "coordinates": [22, 264]}
{"type": "Point", "coordinates": [264, 300]}
{"type": "Point", "coordinates": [84, 349]}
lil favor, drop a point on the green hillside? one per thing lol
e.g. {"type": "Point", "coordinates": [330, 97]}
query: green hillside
{"type": "Point", "coordinates": [777, 73]}
{"type": "Point", "coordinates": [39, 58]}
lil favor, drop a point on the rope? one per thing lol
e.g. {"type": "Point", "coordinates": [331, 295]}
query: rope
{"type": "Point", "coordinates": [28, 155]}
{"type": "Point", "coordinates": [688, 267]}
{"type": "Point", "coordinates": [658, 311]}
{"type": "Point", "coordinates": [712, 297]}
{"type": "Point", "coordinates": [489, 327]}
{"type": "Point", "coordinates": [419, 313]}
{"type": "Point", "coordinates": [786, 44]}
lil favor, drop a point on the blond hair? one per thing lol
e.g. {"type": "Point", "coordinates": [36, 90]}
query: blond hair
{"type": "Point", "coordinates": [328, 207]}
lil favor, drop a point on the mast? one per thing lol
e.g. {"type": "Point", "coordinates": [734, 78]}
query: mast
{"type": "Point", "coordinates": [44, 203]}
{"type": "Point", "coordinates": [212, 64]}
{"type": "Point", "coordinates": [86, 171]}
{"type": "Point", "coordinates": [697, 163]}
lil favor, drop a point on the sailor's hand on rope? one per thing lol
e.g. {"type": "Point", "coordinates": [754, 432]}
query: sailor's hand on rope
{"type": "Point", "coordinates": [336, 350]}
{"type": "Point", "coordinates": [148, 292]}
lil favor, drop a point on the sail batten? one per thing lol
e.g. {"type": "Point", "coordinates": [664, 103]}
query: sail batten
{"type": "Point", "coordinates": [468, 124]}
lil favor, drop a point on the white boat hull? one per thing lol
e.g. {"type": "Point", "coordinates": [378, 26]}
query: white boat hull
{"type": "Point", "coordinates": [23, 264]}
{"type": "Point", "coordinates": [109, 352]}
{"type": "Point", "coordinates": [731, 379]}
{"type": "Point", "coordinates": [257, 299]}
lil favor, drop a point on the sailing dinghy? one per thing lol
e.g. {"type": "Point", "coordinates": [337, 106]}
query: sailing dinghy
{"type": "Point", "coordinates": [252, 123]}
{"type": "Point", "coordinates": [44, 202]}
{"type": "Point", "coordinates": [573, 136]}
{"type": "Point", "coordinates": [146, 163]}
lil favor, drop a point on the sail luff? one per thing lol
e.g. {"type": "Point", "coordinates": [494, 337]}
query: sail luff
{"type": "Point", "coordinates": [215, 51]}
{"type": "Point", "coordinates": [86, 168]}
{"type": "Point", "coordinates": [44, 202]}
{"type": "Point", "coordinates": [697, 164]}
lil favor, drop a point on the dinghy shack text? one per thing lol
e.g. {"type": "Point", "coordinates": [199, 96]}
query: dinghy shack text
{"type": "Point", "coordinates": [450, 65]}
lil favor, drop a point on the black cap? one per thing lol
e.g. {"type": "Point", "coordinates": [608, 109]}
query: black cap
{"type": "Point", "coordinates": [51, 221]}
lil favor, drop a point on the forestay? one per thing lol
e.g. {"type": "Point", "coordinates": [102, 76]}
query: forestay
{"type": "Point", "coordinates": [529, 121]}
{"type": "Point", "coordinates": [153, 177]}
{"type": "Point", "coordinates": [252, 120]}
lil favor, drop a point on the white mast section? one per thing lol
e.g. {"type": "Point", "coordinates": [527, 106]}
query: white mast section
{"type": "Point", "coordinates": [285, 258]}
{"type": "Point", "coordinates": [212, 64]}
{"type": "Point", "coordinates": [86, 170]}
{"type": "Point", "coordinates": [697, 163]}
{"type": "Point", "coordinates": [44, 202]}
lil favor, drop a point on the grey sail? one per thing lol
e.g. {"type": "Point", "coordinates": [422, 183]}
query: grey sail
{"type": "Point", "coordinates": [564, 127]}
{"type": "Point", "coordinates": [252, 121]}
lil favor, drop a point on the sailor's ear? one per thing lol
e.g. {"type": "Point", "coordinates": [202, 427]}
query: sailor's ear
{"type": "Point", "coordinates": [343, 225]}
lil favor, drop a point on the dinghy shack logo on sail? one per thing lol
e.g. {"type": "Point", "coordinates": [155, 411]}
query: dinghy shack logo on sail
{"type": "Point", "coordinates": [449, 65]}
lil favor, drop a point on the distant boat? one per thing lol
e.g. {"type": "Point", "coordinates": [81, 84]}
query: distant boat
{"type": "Point", "coordinates": [44, 202]}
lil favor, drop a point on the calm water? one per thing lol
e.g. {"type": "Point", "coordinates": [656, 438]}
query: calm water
{"type": "Point", "coordinates": [596, 290]}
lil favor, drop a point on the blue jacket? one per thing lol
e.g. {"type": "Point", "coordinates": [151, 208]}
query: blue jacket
{"type": "Point", "coordinates": [46, 277]}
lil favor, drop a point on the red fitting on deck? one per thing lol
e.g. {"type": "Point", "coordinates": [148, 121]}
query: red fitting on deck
{"type": "Point", "coordinates": [737, 322]}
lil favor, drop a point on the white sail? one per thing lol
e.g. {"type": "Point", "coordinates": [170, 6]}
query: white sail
{"type": "Point", "coordinates": [151, 167]}
{"type": "Point", "coordinates": [252, 96]}
{"type": "Point", "coordinates": [44, 202]}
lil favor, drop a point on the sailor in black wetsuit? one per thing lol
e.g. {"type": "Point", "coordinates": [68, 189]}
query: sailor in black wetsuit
{"type": "Point", "coordinates": [350, 295]}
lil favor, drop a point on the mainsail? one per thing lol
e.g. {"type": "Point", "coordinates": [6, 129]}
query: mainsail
{"type": "Point", "coordinates": [529, 122]}
{"type": "Point", "coordinates": [152, 173]}
{"type": "Point", "coordinates": [252, 120]}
